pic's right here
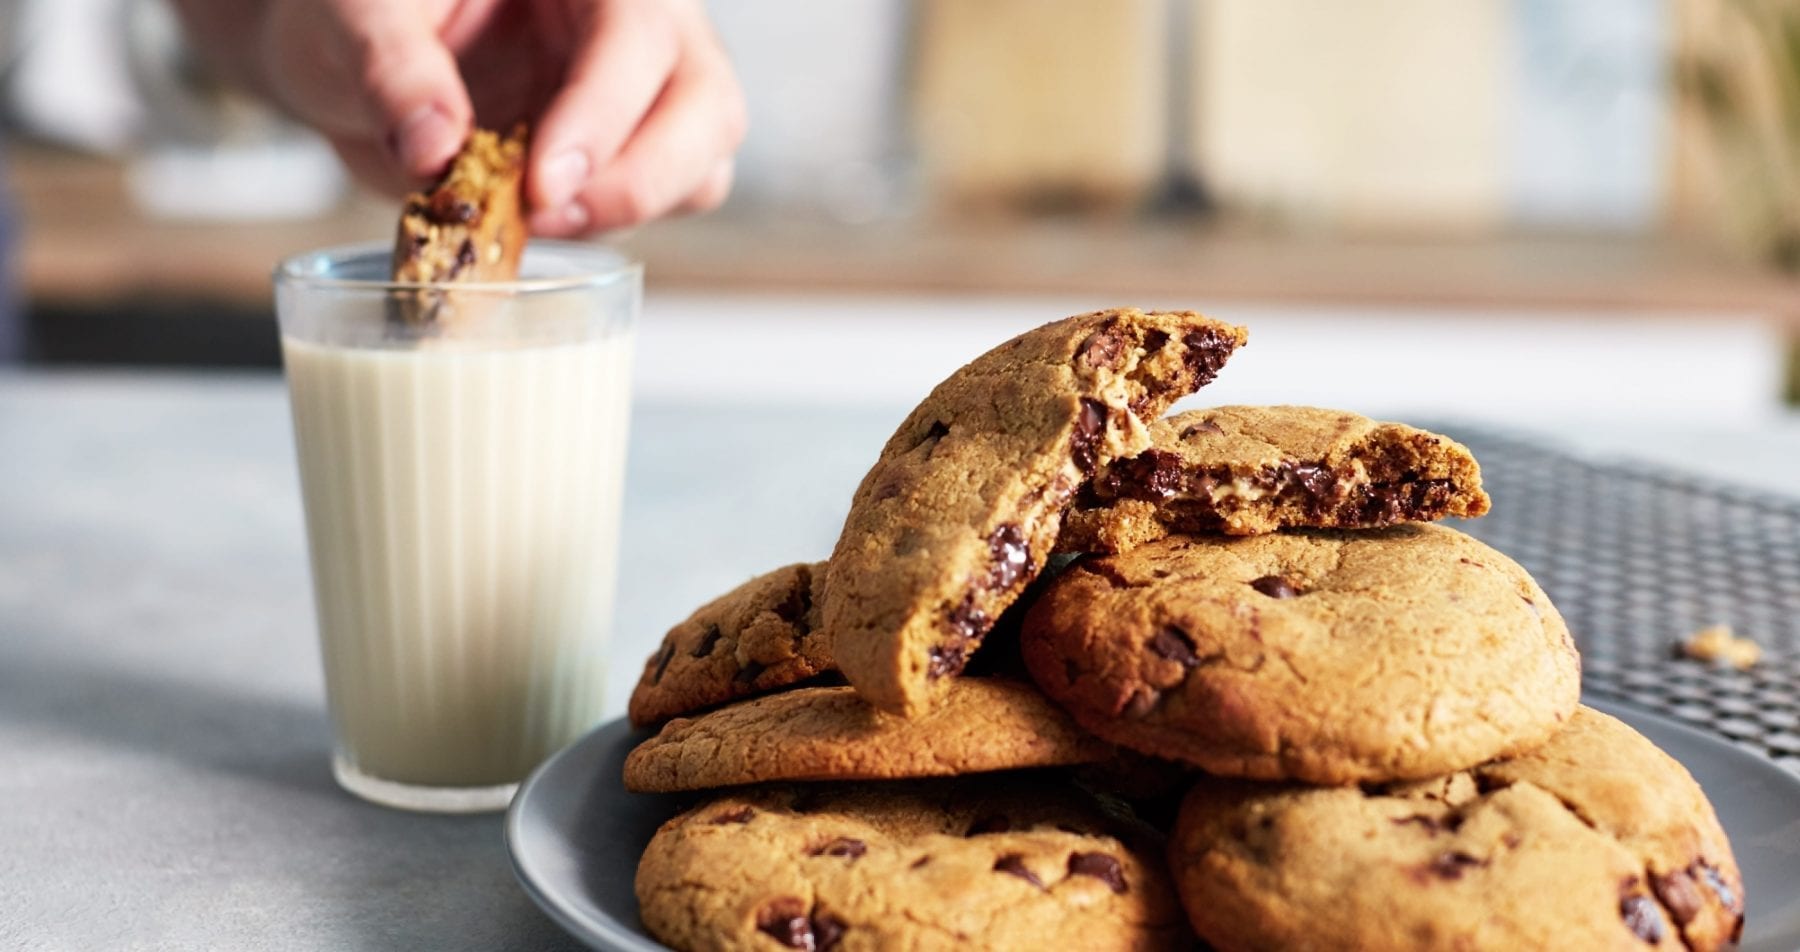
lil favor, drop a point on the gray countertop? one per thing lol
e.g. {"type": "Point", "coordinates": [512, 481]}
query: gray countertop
{"type": "Point", "coordinates": [161, 709]}
{"type": "Point", "coordinates": [161, 706]}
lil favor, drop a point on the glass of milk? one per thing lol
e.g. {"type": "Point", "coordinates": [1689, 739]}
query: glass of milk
{"type": "Point", "coordinates": [461, 479]}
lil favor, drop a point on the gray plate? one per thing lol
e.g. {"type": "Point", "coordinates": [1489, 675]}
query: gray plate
{"type": "Point", "coordinates": [575, 834]}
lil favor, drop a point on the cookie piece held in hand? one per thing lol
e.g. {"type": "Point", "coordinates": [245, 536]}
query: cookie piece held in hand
{"type": "Point", "coordinates": [1331, 657]}
{"type": "Point", "coordinates": [1596, 840]}
{"type": "Point", "coordinates": [470, 226]}
{"type": "Point", "coordinates": [828, 733]}
{"type": "Point", "coordinates": [1254, 470]}
{"type": "Point", "coordinates": [759, 637]}
{"type": "Point", "coordinates": [966, 863]}
{"type": "Point", "coordinates": [964, 504]}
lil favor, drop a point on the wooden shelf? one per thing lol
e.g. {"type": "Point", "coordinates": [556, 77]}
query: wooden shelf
{"type": "Point", "coordinates": [1171, 262]}
{"type": "Point", "coordinates": [86, 245]}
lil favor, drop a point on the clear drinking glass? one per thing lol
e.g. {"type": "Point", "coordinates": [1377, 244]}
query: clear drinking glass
{"type": "Point", "coordinates": [462, 480]}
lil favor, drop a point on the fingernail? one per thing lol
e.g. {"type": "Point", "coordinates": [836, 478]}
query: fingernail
{"type": "Point", "coordinates": [424, 140]}
{"type": "Point", "coordinates": [564, 174]}
{"type": "Point", "coordinates": [566, 220]}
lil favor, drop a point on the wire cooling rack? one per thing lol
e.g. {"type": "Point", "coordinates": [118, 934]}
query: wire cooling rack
{"type": "Point", "coordinates": [1638, 558]}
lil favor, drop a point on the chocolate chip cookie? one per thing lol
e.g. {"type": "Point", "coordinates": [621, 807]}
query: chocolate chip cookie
{"type": "Point", "coordinates": [759, 637]}
{"type": "Point", "coordinates": [1596, 840]}
{"type": "Point", "coordinates": [829, 733]}
{"type": "Point", "coordinates": [964, 504]}
{"type": "Point", "coordinates": [1252, 470]}
{"type": "Point", "coordinates": [1326, 656]}
{"type": "Point", "coordinates": [470, 226]}
{"type": "Point", "coordinates": [985, 863]}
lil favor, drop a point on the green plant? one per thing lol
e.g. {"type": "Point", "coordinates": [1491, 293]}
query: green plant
{"type": "Point", "coordinates": [1744, 77]}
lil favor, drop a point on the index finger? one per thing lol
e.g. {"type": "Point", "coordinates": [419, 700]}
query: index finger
{"type": "Point", "coordinates": [624, 58]}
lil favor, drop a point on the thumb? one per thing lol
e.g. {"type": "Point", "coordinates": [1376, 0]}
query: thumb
{"type": "Point", "coordinates": [376, 70]}
{"type": "Point", "coordinates": [412, 89]}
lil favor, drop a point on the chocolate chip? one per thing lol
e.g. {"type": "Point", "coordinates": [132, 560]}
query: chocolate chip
{"type": "Point", "coordinates": [465, 258]}
{"type": "Point", "coordinates": [920, 861]}
{"type": "Point", "coordinates": [1206, 353]}
{"type": "Point", "coordinates": [842, 846]}
{"type": "Point", "coordinates": [794, 607]}
{"type": "Point", "coordinates": [1488, 783]}
{"type": "Point", "coordinates": [1315, 479]}
{"type": "Point", "coordinates": [1275, 586]}
{"type": "Point", "coordinates": [1152, 475]}
{"type": "Point", "coordinates": [1011, 554]}
{"type": "Point", "coordinates": [447, 209]}
{"type": "Point", "coordinates": [1101, 867]}
{"type": "Point", "coordinates": [1384, 504]}
{"type": "Point", "coordinates": [828, 930]}
{"type": "Point", "coordinates": [945, 661]}
{"type": "Point", "coordinates": [750, 672]}
{"type": "Point", "coordinates": [1014, 863]}
{"type": "Point", "coordinates": [1090, 426]}
{"type": "Point", "coordinates": [1450, 865]}
{"type": "Point", "coordinates": [739, 815]}
{"type": "Point", "coordinates": [663, 658]}
{"type": "Point", "coordinates": [1155, 340]}
{"type": "Point", "coordinates": [1680, 894]}
{"type": "Point", "coordinates": [1204, 426]}
{"type": "Point", "coordinates": [708, 641]}
{"type": "Point", "coordinates": [1103, 348]}
{"type": "Point", "coordinates": [989, 824]}
{"type": "Point", "coordinates": [1711, 876]}
{"type": "Point", "coordinates": [786, 919]}
{"type": "Point", "coordinates": [1173, 644]}
{"type": "Point", "coordinates": [937, 431]}
{"type": "Point", "coordinates": [966, 620]}
{"type": "Point", "coordinates": [1642, 917]}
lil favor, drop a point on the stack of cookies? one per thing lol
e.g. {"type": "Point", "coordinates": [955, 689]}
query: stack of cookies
{"type": "Point", "coordinates": [1078, 675]}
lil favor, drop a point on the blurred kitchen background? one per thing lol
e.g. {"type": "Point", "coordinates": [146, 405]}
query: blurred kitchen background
{"type": "Point", "coordinates": [1523, 211]}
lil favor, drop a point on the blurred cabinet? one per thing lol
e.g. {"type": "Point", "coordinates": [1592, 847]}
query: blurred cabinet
{"type": "Point", "coordinates": [1041, 103]}
{"type": "Point", "coordinates": [1382, 113]}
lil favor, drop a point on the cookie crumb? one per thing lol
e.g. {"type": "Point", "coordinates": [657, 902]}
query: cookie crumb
{"type": "Point", "coordinates": [1717, 645]}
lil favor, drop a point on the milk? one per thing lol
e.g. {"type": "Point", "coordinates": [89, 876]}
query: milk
{"type": "Point", "coordinates": [462, 509]}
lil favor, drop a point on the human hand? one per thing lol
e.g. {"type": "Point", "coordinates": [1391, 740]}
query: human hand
{"type": "Point", "coordinates": [634, 109]}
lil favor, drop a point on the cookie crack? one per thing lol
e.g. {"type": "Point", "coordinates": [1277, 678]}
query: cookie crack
{"type": "Point", "coordinates": [1668, 918]}
{"type": "Point", "coordinates": [1282, 655]}
{"type": "Point", "coordinates": [910, 916]}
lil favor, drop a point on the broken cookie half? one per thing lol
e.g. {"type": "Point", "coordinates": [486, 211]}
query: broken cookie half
{"type": "Point", "coordinates": [960, 512]}
{"type": "Point", "coordinates": [1254, 470]}
{"type": "Point", "coordinates": [470, 226]}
